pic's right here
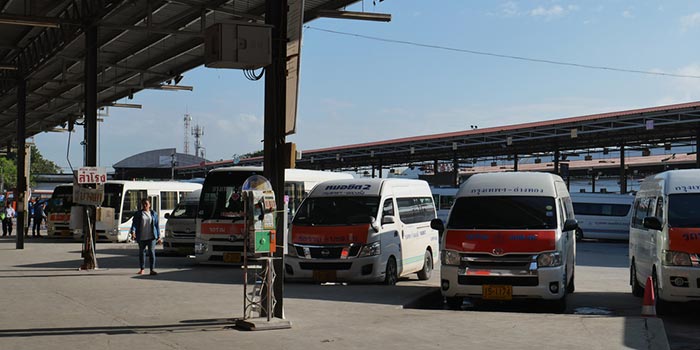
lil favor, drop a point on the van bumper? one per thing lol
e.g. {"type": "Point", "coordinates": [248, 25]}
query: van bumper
{"type": "Point", "coordinates": [366, 269]}
{"type": "Point", "coordinates": [679, 283]}
{"type": "Point", "coordinates": [461, 282]}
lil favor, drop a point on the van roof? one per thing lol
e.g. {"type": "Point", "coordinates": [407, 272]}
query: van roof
{"type": "Point", "coordinates": [612, 198]}
{"type": "Point", "coordinates": [367, 187]}
{"type": "Point", "coordinates": [675, 181]}
{"type": "Point", "coordinates": [511, 184]}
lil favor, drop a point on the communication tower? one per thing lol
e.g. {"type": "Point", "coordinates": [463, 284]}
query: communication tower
{"type": "Point", "coordinates": [198, 132]}
{"type": "Point", "coordinates": [188, 127]}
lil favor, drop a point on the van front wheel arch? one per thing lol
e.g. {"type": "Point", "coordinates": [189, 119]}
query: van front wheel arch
{"type": "Point", "coordinates": [391, 276]}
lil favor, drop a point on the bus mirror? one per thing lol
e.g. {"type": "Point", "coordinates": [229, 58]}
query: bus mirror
{"type": "Point", "coordinates": [167, 215]}
{"type": "Point", "coordinates": [436, 224]}
{"type": "Point", "coordinates": [652, 222]}
{"type": "Point", "coordinates": [388, 220]}
{"type": "Point", "coordinates": [570, 224]}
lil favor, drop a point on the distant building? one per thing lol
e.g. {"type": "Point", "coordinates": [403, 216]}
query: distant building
{"type": "Point", "coordinates": [156, 164]}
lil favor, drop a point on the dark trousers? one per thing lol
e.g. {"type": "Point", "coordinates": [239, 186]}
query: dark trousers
{"type": "Point", "coordinates": [36, 227]}
{"type": "Point", "coordinates": [7, 226]}
{"type": "Point", "coordinates": [151, 245]}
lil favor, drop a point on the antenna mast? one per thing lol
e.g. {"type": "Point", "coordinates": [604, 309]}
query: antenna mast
{"type": "Point", "coordinates": [188, 127]}
{"type": "Point", "coordinates": [198, 132]}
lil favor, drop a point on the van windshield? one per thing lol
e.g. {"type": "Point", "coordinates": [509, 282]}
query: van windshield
{"type": "Point", "coordinates": [503, 212]}
{"type": "Point", "coordinates": [337, 211]}
{"type": "Point", "coordinates": [684, 210]}
{"type": "Point", "coordinates": [185, 210]}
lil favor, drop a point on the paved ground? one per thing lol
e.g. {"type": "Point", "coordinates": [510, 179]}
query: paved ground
{"type": "Point", "coordinates": [47, 304]}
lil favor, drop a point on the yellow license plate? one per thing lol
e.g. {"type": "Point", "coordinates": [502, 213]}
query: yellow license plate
{"type": "Point", "coordinates": [324, 275]}
{"type": "Point", "coordinates": [497, 292]}
{"type": "Point", "coordinates": [232, 257]}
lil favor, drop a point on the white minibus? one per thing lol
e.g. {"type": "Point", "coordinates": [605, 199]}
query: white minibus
{"type": "Point", "coordinates": [219, 234]}
{"type": "Point", "coordinates": [602, 215]}
{"type": "Point", "coordinates": [363, 230]}
{"type": "Point", "coordinates": [443, 197]}
{"type": "Point", "coordinates": [58, 211]}
{"type": "Point", "coordinates": [509, 235]}
{"type": "Point", "coordinates": [665, 237]}
{"type": "Point", "coordinates": [125, 197]}
{"type": "Point", "coordinates": [181, 228]}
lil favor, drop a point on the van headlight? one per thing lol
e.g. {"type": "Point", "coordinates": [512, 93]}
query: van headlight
{"type": "Point", "coordinates": [374, 248]}
{"type": "Point", "coordinates": [450, 257]}
{"type": "Point", "coordinates": [200, 248]}
{"type": "Point", "coordinates": [674, 258]}
{"type": "Point", "coordinates": [549, 259]}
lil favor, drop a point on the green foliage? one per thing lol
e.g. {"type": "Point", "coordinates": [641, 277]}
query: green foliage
{"type": "Point", "coordinates": [259, 153]}
{"type": "Point", "coordinates": [41, 165]}
{"type": "Point", "coordinates": [8, 173]}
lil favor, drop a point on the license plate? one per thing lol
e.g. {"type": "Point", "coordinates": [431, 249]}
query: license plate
{"type": "Point", "coordinates": [324, 275]}
{"type": "Point", "coordinates": [497, 292]}
{"type": "Point", "coordinates": [232, 257]}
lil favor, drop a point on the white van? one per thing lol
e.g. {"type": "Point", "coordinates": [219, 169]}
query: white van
{"type": "Point", "coordinates": [363, 230]}
{"type": "Point", "coordinates": [602, 215]}
{"type": "Point", "coordinates": [665, 237]}
{"type": "Point", "coordinates": [509, 235]}
{"type": "Point", "coordinates": [443, 197]}
{"type": "Point", "coordinates": [181, 228]}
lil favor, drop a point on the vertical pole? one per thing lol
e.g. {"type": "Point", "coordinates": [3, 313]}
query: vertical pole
{"type": "Point", "coordinates": [697, 145]}
{"type": "Point", "coordinates": [455, 170]}
{"type": "Point", "coordinates": [274, 142]}
{"type": "Point", "coordinates": [436, 169]}
{"type": "Point", "coordinates": [623, 173]}
{"type": "Point", "coordinates": [90, 76]}
{"type": "Point", "coordinates": [379, 168]}
{"type": "Point", "coordinates": [20, 194]}
{"type": "Point", "coordinates": [373, 171]}
{"type": "Point", "coordinates": [556, 161]}
{"type": "Point", "coordinates": [515, 162]}
{"type": "Point", "coordinates": [593, 174]}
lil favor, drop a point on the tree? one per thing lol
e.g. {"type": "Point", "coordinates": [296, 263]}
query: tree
{"type": "Point", "coordinates": [41, 165]}
{"type": "Point", "coordinates": [8, 174]}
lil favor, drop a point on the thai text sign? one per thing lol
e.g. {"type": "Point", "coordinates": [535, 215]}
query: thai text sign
{"type": "Point", "coordinates": [92, 175]}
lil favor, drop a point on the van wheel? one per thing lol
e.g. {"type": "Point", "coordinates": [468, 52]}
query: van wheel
{"type": "Point", "coordinates": [637, 289]}
{"type": "Point", "coordinates": [427, 270]}
{"type": "Point", "coordinates": [454, 303]}
{"type": "Point", "coordinates": [579, 235]}
{"type": "Point", "coordinates": [663, 307]}
{"type": "Point", "coordinates": [392, 273]}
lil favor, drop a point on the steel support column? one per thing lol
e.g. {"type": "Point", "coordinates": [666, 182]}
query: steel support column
{"type": "Point", "coordinates": [623, 171]}
{"type": "Point", "coordinates": [515, 162]}
{"type": "Point", "coordinates": [379, 168]}
{"type": "Point", "coordinates": [556, 161]}
{"type": "Point", "coordinates": [373, 171]}
{"type": "Point", "coordinates": [455, 169]}
{"type": "Point", "coordinates": [697, 145]}
{"type": "Point", "coordinates": [90, 138]}
{"type": "Point", "coordinates": [20, 193]}
{"type": "Point", "coordinates": [274, 134]}
{"type": "Point", "coordinates": [593, 174]}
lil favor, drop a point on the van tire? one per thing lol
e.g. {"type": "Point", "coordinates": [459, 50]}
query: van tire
{"type": "Point", "coordinates": [663, 307]}
{"type": "Point", "coordinates": [427, 270]}
{"type": "Point", "coordinates": [391, 276]}
{"type": "Point", "coordinates": [637, 289]}
{"type": "Point", "coordinates": [454, 303]}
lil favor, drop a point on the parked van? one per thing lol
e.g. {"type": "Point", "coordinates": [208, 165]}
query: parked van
{"type": "Point", "coordinates": [509, 235]}
{"type": "Point", "coordinates": [665, 237]}
{"type": "Point", "coordinates": [181, 228]}
{"type": "Point", "coordinates": [443, 197]}
{"type": "Point", "coordinates": [602, 215]}
{"type": "Point", "coordinates": [363, 230]}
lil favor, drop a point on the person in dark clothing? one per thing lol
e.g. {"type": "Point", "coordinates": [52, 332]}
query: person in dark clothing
{"type": "Point", "coordinates": [144, 230]}
{"type": "Point", "coordinates": [39, 217]}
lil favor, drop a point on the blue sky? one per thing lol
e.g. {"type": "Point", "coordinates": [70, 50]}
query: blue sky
{"type": "Point", "coordinates": [357, 90]}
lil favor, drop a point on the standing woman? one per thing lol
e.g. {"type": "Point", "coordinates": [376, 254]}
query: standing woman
{"type": "Point", "coordinates": [144, 230]}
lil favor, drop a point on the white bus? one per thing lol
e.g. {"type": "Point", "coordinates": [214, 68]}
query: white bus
{"type": "Point", "coordinates": [58, 211]}
{"type": "Point", "coordinates": [125, 197]}
{"type": "Point", "coordinates": [602, 215]}
{"type": "Point", "coordinates": [665, 237]}
{"type": "Point", "coordinates": [443, 197]}
{"type": "Point", "coordinates": [363, 230]}
{"type": "Point", "coordinates": [219, 236]}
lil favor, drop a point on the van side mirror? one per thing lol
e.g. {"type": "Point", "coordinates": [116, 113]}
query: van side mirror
{"type": "Point", "coordinates": [167, 215]}
{"type": "Point", "coordinates": [436, 224]}
{"type": "Point", "coordinates": [652, 222]}
{"type": "Point", "coordinates": [388, 220]}
{"type": "Point", "coordinates": [570, 224]}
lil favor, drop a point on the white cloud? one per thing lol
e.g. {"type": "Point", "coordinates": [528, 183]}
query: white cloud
{"type": "Point", "coordinates": [510, 9]}
{"type": "Point", "coordinates": [682, 90]}
{"type": "Point", "coordinates": [554, 11]}
{"type": "Point", "coordinates": [690, 21]}
{"type": "Point", "coordinates": [627, 14]}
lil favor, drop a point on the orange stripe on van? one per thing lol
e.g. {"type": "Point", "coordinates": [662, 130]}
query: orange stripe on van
{"type": "Point", "coordinates": [59, 217]}
{"type": "Point", "coordinates": [222, 229]}
{"type": "Point", "coordinates": [684, 239]}
{"type": "Point", "coordinates": [330, 234]}
{"type": "Point", "coordinates": [499, 242]}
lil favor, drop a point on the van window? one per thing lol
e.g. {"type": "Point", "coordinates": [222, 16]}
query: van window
{"type": "Point", "coordinates": [184, 210]}
{"type": "Point", "coordinates": [659, 213]}
{"type": "Point", "coordinates": [514, 212]}
{"type": "Point", "coordinates": [642, 209]}
{"type": "Point", "coordinates": [388, 208]}
{"type": "Point", "coordinates": [446, 201]}
{"type": "Point", "coordinates": [601, 209]}
{"type": "Point", "coordinates": [684, 210]}
{"type": "Point", "coordinates": [337, 210]}
{"type": "Point", "coordinates": [168, 200]}
{"type": "Point", "coordinates": [414, 210]}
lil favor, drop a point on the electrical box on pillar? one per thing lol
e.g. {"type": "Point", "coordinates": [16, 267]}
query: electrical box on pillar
{"type": "Point", "coordinates": [238, 45]}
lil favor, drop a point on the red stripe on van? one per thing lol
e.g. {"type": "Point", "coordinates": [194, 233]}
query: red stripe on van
{"type": "Point", "coordinates": [59, 217]}
{"type": "Point", "coordinates": [222, 229]}
{"type": "Point", "coordinates": [499, 242]}
{"type": "Point", "coordinates": [684, 240]}
{"type": "Point", "coordinates": [330, 234]}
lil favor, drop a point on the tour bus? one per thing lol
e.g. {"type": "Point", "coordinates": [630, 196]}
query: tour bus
{"type": "Point", "coordinates": [509, 235]}
{"type": "Point", "coordinates": [58, 211]}
{"type": "Point", "coordinates": [181, 226]}
{"type": "Point", "coordinates": [125, 197]}
{"type": "Point", "coordinates": [665, 237]}
{"type": "Point", "coordinates": [602, 215]}
{"type": "Point", "coordinates": [443, 197]}
{"type": "Point", "coordinates": [363, 230]}
{"type": "Point", "coordinates": [219, 231]}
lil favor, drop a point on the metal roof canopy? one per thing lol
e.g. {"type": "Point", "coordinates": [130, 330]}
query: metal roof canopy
{"type": "Point", "coordinates": [676, 124]}
{"type": "Point", "coordinates": [141, 45]}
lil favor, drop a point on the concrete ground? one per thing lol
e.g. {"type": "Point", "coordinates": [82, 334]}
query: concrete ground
{"type": "Point", "coordinates": [47, 303]}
